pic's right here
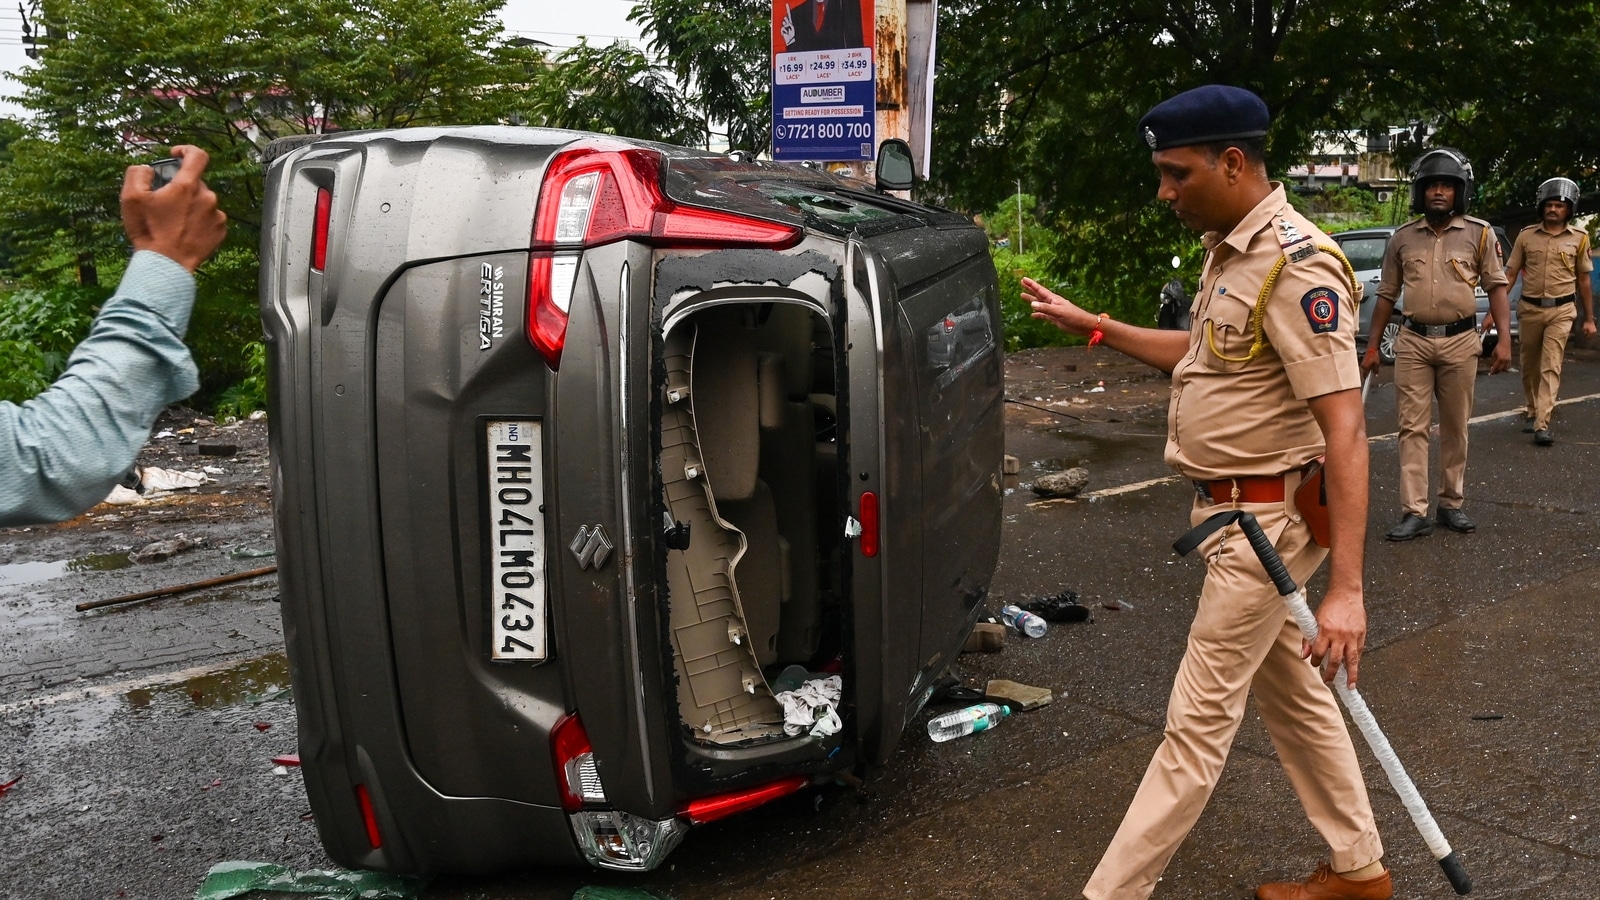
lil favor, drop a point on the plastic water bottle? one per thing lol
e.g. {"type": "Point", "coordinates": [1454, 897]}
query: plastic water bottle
{"type": "Point", "coordinates": [979, 717]}
{"type": "Point", "coordinates": [1026, 623]}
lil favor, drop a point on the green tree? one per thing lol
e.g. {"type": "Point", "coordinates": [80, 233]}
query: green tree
{"type": "Point", "coordinates": [721, 53]}
{"type": "Point", "coordinates": [616, 90]}
{"type": "Point", "coordinates": [120, 80]}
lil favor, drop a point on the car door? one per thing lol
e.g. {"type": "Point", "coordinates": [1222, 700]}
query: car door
{"type": "Point", "coordinates": [925, 365]}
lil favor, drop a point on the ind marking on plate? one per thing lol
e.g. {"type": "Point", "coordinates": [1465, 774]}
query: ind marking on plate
{"type": "Point", "coordinates": [515, 528]}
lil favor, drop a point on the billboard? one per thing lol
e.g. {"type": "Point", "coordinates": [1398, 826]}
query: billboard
{"type": "Point", "coordinates": [824, 87]}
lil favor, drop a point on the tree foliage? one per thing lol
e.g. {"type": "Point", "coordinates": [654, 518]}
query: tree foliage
{"type": "Point", "coordinates": [616, 90]}
{"type": "Point", "coordinates": [119, 81]}
{"type": "Point", "coordinates": [720, 52]}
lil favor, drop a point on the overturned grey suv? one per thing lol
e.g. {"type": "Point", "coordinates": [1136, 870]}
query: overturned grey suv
{"type": "Point", "coordinates": [580, 444]}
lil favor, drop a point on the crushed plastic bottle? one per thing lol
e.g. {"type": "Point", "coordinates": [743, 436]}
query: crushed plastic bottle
{"type": "Point", "coordinates": [973, 719]}
{"type": "Point", "coordinates": [1026, 623]}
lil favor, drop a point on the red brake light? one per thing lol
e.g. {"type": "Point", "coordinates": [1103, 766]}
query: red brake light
{"type": "Point", "coordinates": [869, 524]}
{"type": "Point", "coordinates": [319, 230]}
{"type": "Point", "coordinates": [710, 809]}
{"type": "Point", "coordinates": [364, 800]}
{"type": "Point", "coordinates": [569, 743]}
{"type": "Point", "coordinates": [598, 191]}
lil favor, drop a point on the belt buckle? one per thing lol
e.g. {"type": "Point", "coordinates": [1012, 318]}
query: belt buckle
{"type": "Point", "coordinates": [1547, 302]}
{"type": "Point", "coordinates": [1436, 330]}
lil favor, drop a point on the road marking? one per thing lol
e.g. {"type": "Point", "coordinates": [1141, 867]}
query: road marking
{"type": "Point", "coordinates": [1391, 436]}
{"type": "Point", "coordinates": [100, 691]}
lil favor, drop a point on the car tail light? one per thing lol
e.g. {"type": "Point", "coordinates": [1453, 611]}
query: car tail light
{"type": "Point", "coordinates": [710, 809]}
{"type": "Point", "coordinates": [575, 765]}
{"type": "Point", "coordinates": [364, 800]}
{"type": "Point", "coordinates": [869, 524]}
{"type": "Point", "coordinates": [319, 230]}
{"type": "Point", "coordinates": [598, 191]}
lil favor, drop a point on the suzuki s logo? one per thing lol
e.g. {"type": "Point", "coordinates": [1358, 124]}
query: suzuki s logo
{"type": "Point", "coordinates": [491, 304]}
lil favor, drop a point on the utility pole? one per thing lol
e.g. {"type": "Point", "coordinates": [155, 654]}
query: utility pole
{"type": "Point", "coordinates": [1019, 216]}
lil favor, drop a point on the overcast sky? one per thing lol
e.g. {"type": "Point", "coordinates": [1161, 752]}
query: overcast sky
{"type": "Point", "coordinates": [556, 22]}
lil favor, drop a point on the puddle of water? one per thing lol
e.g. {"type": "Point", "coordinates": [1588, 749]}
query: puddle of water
{"type": "Point", "coordinates": [18, 574]}
{"type": "Point", "coordinates": [248, 682]}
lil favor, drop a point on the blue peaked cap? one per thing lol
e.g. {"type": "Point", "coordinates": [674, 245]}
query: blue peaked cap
{"type": "Point", "coordinates": [1205, 115]}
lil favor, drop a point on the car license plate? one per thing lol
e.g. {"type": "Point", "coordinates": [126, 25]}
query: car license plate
{"type": "Point", "coordinates": [515, 530]}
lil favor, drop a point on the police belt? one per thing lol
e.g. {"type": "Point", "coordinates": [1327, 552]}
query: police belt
{"type": "Point", "coordinates": [1548, 302]}
{"type": "Point", "coordinates": [1251, 488]}
{"type": "Point", "coordinates": [1450, 330]}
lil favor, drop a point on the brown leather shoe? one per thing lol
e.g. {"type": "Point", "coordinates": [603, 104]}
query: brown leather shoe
{"type": "Point", "coordinates": [1327, 884]}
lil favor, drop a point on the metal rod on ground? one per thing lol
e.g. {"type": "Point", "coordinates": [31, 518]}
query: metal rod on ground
{"type": "Point", "coordinates": [176, 589]}
{"type": "Point", "coordinates": [1359, 713]}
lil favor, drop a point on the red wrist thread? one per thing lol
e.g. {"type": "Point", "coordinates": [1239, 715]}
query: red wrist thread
{"type": "Point", "coordinates": [1096, 336]}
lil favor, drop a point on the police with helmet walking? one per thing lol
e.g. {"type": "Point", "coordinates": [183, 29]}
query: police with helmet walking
{"type": "Point", "coordinates": [1264, 382]}
{"type": "Point", "coordinates": [1553, 256]}
{"type": "Point", "coordinates": [1438, 259]}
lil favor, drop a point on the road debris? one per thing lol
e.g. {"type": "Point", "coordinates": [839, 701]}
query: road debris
{"type": "Point", "coordinates": [158, 551]}
{"type": "Point", "coordinates": [1018, 696]}
{"type": "Point", "coordinates": [1062, 484]}
{"type": "Point", "coordinates": [237, 878]}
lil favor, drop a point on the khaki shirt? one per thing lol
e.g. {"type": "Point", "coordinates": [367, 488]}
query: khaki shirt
{"type": "Point", "coordinates": [1229, 418]}
{"type": "Point", "coordinates": [1551, 261]}
{"type": "Point", "coordinates": [1439, 271]}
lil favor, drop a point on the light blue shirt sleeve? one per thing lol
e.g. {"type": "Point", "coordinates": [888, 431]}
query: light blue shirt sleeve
{"type": "Point", "coordinates": [64, 450]}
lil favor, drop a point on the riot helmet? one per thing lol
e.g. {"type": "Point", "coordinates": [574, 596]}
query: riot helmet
{"type": "Point", "coordinates": [1442, 162]}
{"type": "Point", "coordinates": [1563, 189]}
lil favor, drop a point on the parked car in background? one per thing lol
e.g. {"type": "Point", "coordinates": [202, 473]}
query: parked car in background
{"type": "Point", "coordinates": [587, 450]}
{"type": "Point", "coordinates": [1365, 247]}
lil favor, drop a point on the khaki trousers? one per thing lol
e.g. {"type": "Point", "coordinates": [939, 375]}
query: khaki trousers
{"type": "Point", "coordinates": [1544, 334]}
{"type": "Point", "coordinates": [1426, 369]}
{"type": "Point", "coordinates": [1242, 641]}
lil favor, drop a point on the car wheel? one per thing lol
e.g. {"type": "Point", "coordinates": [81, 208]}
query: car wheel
{"type": "Point", "coordinates": [1391, 332]}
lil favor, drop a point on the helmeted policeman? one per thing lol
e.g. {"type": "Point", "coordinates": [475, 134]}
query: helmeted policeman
{"type": "Point", "coordinates": [1438, 259]}
{"type": "Point", "coordinates": [1553, 257]}
{"type": "Point", "coordinates": [1264, 382]}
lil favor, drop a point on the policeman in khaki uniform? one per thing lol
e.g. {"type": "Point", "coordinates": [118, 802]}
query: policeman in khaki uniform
{"type": "Point", "coordinates": [1554, 258]}
{"type": "Point", "coordinates": [1439, 259]}
{"type": "Point", "coordinates": [1263, 383]}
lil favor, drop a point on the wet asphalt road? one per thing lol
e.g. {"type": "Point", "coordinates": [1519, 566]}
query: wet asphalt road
{"type": "Point", "coordinates": [144, 736]}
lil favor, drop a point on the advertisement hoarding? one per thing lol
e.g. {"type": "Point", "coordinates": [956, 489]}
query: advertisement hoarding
{"type": "Point", "coordinates": [824, 87]}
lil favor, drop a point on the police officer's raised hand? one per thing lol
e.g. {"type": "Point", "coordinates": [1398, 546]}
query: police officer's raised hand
{"type": "Point", "coordinates": [180, 221]}
{"type": "Point", "coordinates": [1058, 310]}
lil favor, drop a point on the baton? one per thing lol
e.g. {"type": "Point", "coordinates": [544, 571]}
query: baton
{"type": "Point", "coordinates": [1359, 713]}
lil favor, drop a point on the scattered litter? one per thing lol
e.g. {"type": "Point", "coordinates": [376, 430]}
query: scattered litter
{"type": "Point", "coordinates": [235, 879]}
{"type": "Point", "coordinates": [1018, 696]}
{"type": "Point", "coordinates": [243, 552]}
{"type": "Point", "coordinates": [153, 480]}
{"type": "Point", "coordinates": [986, 637]}
{"type": "Point", "coordinates": [287, 759]}
{"type": "Point", "coordinates": [1062, 607]}
{"type": "Point", "coordinates": [810, 707]}
{"type": "Point", "coordinates": [1480, 717]}
{"type": "Point", "coordinates": [160, 550]}
{"type": "Point", "coordinates": [1062, 484]}
{"type": "Point", "coordinates": [1010, 465]}
{"type": "Point", "coordinates": [121, 496]}
{"type": "Point", "coordinates": [973, 719]}
{"type": "Point", "coordinates": [280, 770]}
{"type": "Point", "coordinates": [217, 449]}
{"type": "Point", "coordinates": [1026, 623]}
{"type": "Point", "coordinates": [213, 470]}
{"type": "Point", "coordinates": [263, 726]}
{"type": "Point", "coordinates": [1116, 605]}
{"type": "Point", "coordinates": [257, 416]}
{"type": "Point", "coordinates": [1101, 389]}
{"type": "Point", "coordinates": [164, 433]}
{"type": "Point", "coordinates": [215, 783]}
{"type": "Point", "coordinates": [9, 785]}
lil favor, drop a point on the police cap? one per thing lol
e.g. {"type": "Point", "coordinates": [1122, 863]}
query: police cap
{"type": "Point", "coordinates": [1205, 115]}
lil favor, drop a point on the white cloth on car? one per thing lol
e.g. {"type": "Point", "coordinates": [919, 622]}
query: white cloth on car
{"type": "Point", "coordinates": [810, 707]}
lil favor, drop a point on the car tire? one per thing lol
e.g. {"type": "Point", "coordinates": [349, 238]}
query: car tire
{"type": "Point", "coordinates": [1391, 333]}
